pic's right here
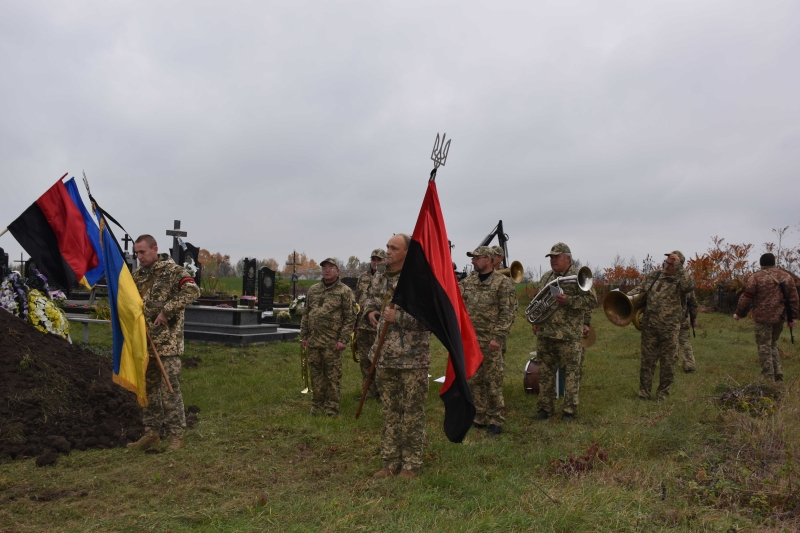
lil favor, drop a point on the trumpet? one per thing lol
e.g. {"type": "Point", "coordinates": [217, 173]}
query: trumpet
{"type": "Point", "coordinates": [543, 304]}
{"type": "Point", "coordinates": [515, 271]}
{"type": "Point", "coordinates": [621, 309]}
{"type": "Point", "coordinates": [305, 370]}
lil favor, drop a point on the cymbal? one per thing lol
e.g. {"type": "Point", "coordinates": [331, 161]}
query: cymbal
{"type": "Point", "coordinates": [588, 339]}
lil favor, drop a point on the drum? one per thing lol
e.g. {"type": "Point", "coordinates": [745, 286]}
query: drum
{"type": "Point", "coordinates": [531, 381]}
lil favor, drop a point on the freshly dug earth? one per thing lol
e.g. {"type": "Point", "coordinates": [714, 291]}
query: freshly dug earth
{"type": "Point", "coordinates": [56, 397]}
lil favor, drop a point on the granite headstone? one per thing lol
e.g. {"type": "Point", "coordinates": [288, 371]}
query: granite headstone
{"type": "Point", "coordinates": [266, 288]}
{"type": "Point", "coordinates": [249, 277]}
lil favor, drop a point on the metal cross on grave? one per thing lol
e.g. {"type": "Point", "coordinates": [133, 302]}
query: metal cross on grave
{"type": "Point", "coordinates": [127, 240]}
{"type": "Point", "coordinates": [176, 235]}
{"type": "Point", "coordinates": [294, 274]}
{"type": "Point", "coordinates": [21, 265]}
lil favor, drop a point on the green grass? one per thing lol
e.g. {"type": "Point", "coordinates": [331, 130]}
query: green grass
{"type": "Point", "coordinates": [258, 462]}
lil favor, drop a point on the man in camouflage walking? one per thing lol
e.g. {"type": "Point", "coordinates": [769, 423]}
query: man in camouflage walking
{"type": "Point", "coordinates": [402, 369]}
{"type": "Point", "coordinates": [666, 291]}
{"type": "Point", "coordinates": [773, 295]}
{"type": "Point", "coordinates": [328, 319]}
{"type": "Point", "coordinates": [166, 289]}
{"type": "Point", "coordinates": [365, 331]}
{"type": "Point", "coordinates": [487, 297]}
{"type": "Point", "coordinates": [559, 344]}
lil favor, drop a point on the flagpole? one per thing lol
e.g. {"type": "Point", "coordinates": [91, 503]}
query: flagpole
{"type": "Point", "coordinates": [3, 232]}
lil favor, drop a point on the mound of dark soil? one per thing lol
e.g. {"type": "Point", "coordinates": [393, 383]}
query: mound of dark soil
{"type": "Point", "coordinates": [56, 397]}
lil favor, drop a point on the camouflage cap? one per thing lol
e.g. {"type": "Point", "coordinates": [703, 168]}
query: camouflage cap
{"type": "Point", "coordinates": [679, 254]}
{"type": "Point", "coordinates": [498, 250]}
{"type": "Point", "coordinates": [558, 249]}
{"type": "Point", "coordinates": [377, 252]}
{"type": "Point", "coordinates": [331, 260]}
{"type": "Point", "coordinates": [481, 250]}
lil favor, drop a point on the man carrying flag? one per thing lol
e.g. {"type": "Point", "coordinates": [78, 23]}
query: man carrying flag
{"type": "Point", "coordinates": [402, 368]}
{"type": "Point", "coordinates": [166, 289]}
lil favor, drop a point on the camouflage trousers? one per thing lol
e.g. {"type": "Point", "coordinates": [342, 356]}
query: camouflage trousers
{"type": "Point", "coordinates": [685, 346]}
{"type": "Point", "coordinates": [487, 388]}
{"type": "Point", "coordinates": [659, 346]}
{"type": "Point", "coordinates": [554, 354]}
{"type": "Point", "coordinates": [325, 365]}
{"type": "Point", "coordinates": [767, 342]}
{"type": "Point", "coordinates": [164, 410]}
{"type": "Point", "coordinates": [403, 394]}
{"type": "Point", "coordinates": [364, 340]}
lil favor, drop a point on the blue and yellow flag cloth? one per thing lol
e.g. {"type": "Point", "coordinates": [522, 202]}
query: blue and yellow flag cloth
{"type": "Point", "coordinates": [128, 329]}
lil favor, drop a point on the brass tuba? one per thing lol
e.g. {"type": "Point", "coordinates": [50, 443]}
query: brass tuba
{"type": "Point", "coordinates": [515, 271]}
{"type": "Point", "coordinates": [621, 309]}
{"type": "Point", "coordinates": [543, 304]}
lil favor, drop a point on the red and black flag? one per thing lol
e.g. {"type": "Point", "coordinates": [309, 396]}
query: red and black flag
{"type": "Point", "coordinates": [53, 232]}
{"type": "Point", "coordinates": [428, 291]}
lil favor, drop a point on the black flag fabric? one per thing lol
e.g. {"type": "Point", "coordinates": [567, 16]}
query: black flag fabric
{"type": "Point", "coordinates": [428, 291]}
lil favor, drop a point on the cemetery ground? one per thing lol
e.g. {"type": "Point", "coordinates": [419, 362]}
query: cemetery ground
{"type": "Point", "coordinates": [256, 461]}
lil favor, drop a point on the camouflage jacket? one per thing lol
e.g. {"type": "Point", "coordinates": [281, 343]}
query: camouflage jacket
{"type": "Point", "coordinates": [587, 314]}
{"type": "Point", "coordinates": [407, 342]}
{"type": "Point", "coordinates": [765, 294]}
{"type": "Point", "coordinates": [567, 321]}
{"type": "Point", "coordinates": [329, 315]}
{"type": "Point", "coordinates": [362, 291]}
{"type": "Point", "coordinates": [512, 292]}
{"type": "Point", "coordinates": [489, 306]}
{"type": "Point", "coordinates": [166, 288]}
{"type": "Point", "coordinates": [666, 300]}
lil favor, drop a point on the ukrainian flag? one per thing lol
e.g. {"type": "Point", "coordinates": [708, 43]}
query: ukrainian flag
{"type": "Point", "coordinates": [91, 277]}
{"type": "Point", "coordinates": [128, 327]}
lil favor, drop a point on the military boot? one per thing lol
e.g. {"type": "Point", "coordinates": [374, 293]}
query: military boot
{"type": "Point", "coordinates": [150, 438]}
{"type": "Point", "coordinates": [175, 443]}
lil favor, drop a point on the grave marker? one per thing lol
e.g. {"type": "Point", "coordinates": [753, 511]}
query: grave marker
{"type": "Point", "coordinates": [266, 288]}
{"type": "Point", "coordinates": [249, 277]}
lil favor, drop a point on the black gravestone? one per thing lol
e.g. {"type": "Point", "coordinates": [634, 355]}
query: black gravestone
{"type": "Point", "coordinates": [249, 277]}
{"type": "Point", "coordinates": [3, 263]}
{"type": "Point", "coordinates": [191, 253]}
{"type": "Point", "coordinates": [29, 266]}
{"type": "Point", "coordinates": [266, 288]}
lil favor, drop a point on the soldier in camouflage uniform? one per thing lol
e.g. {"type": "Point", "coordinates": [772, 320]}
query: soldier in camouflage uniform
{"type": "Point", "coordinates": [560, 335]}
{"type": "Point", "coordinates": [666, 291]}
{"type": "Point", "coordinates": [688, 322]}
{"type": "Point", "coordinates": [365, 331]}
{"type": "Point", "coordinates": [166, 289]}
{"type": "Point", "coordinates": [402, 369]}
{"type": "Point", "coordinates": [328, 319]}
{"type": "Point", "coordinates": [499, 255]}
{"type": "Point", "coordinates": [487, 297]}
{"type": "Point", "coordinates": [764, 292]}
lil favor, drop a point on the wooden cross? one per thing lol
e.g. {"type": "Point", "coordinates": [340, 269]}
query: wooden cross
{"type": "Point", "coordinates": [127, 240]}
{"type": "Point", "coordinates": [175, 233]}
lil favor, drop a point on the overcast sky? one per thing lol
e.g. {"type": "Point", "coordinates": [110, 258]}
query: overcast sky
{"type": "Point", "coordinates": [617, 127]}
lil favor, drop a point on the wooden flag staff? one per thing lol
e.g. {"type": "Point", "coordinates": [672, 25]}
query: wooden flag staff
{"type": "Point", "coordinates": [158, 360]}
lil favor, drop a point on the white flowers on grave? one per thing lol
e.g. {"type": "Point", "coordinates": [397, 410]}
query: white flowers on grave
{"type": "Point", "coordinates": [39, 305]}
{"type": "Point", "coordinates": [298, 304]}
{"type": "Point", "coordinates": [191, 267]}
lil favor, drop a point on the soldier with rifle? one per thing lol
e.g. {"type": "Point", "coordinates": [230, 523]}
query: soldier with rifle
{"type": "Point", "coordinates": [773, 296]}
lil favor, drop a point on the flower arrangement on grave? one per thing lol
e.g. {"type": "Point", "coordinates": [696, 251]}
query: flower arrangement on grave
{"type": "Point", "coordinates": [31, 299]}
{"type": "Point", "coordinates": [45, 315]}
{"type": "Point", "coordinates": [298, 304]}
{"type": "Point", "coordinates": [191, 267]}
{"type": "Point", "coordinates": [284, 316]}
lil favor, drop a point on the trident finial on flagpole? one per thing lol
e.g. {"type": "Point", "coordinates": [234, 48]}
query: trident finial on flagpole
{"type": "Point", "coordinates": [439, 154]}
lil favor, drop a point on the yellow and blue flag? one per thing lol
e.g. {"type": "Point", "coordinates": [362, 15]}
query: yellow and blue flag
{"type": "Point", "coordinates": [128, 329]}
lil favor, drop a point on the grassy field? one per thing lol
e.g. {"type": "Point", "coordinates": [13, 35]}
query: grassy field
{"type": "Point", "coordinates": [257, 462]}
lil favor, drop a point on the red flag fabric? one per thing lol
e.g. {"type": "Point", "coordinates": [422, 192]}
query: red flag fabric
{"type": "Point", "coordinates": [428, 291]}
